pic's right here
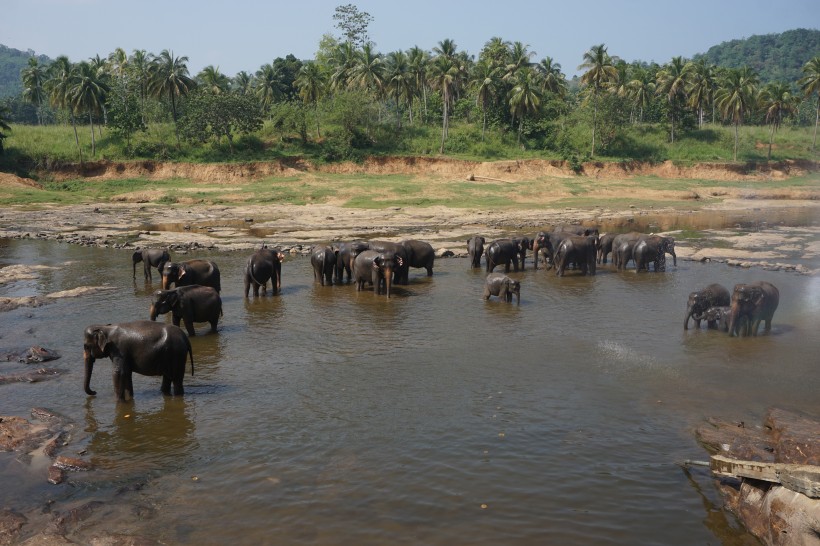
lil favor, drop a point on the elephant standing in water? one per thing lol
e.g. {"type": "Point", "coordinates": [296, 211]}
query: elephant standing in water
{"type": "Point", "coordinates": [376, 268]}
{"type": "Point", "coordinates": [653, 249]}
{"type": "Point", "coordinates": [142, 346]}
{"type": "Point", "coordinates": [323, 260]}
{"type": "Point", "coordinates": [576, 249]}
{"type": "Point", "coordinates": [499, 284]}
{"type": "Point", "coordinates": [717, 318]}
{"type": "Point", "coordinates": [475, 248]}
{"type": "Point", "coordinates": [420, 254]}
{"type": "Point", "coordinates": [754, 302]}
{"type": "Point", "coordinates": [605, 246]}
{"type": "Point", "coordinates": [190, 304]}
{"type": "Point", "coordinates": [622, 248]}
{"type": "Point", "coordinates": [714, 295]}
{"type": "Point", "coordinates": [150, 257]}
{"type": "Point", "coordinates": [202, 272]}
{"type": "Point", "coordinates": [506, 251]}
{"type": "Point", "coordinates": [401, 271]}
{"type": "Point", "coordinates": [346, 252]}
{"type": "Point", "coordinates": [264, 265]}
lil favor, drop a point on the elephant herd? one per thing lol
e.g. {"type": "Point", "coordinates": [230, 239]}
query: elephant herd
{"type": "Point", "coordinates": [739, 314]}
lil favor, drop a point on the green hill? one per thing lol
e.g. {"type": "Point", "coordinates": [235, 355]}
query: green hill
{"type": "Point", "coordinates": [775, 57]}
{"type": "Point", "coordinates": [12, 61]}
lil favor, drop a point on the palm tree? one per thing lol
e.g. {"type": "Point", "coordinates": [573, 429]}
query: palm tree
{"type": "Point", "coordinates": [418, 61]}
{"type": "Point", "coordinates": [810, 84]}
{"type": "Point", "coordinates": [496, 52]}
{"type": "Point", "coordinates": [212, 80]}
{"type": "Point", "coordinates": [34, 79]}
{"type": "Point", "coordinates": [600, 70]}
{"type": "Point", "coordinates": [268, 85]}
{"type": "Point", "coordinates": [519, 57]}
{"type": "Point", "coordinates": [778, 101]}
{"type": "Point", "coordinates": [88, 94]}
{"type": "Point", "coordinates": [641, 90]}
{"type": "Point", "coordinates": [701, 77]}
{"type": "Point", "coordinates": [118, 63]}
{"type": "Point", "coordinates": [524, 97]}
{"type": "Point", "coordinates": [242, 83]}
{"type": "Point", "coordinates": [140, 67]}
{"type": "Point", "coordinates": [311, 83]}
{"type": "Point", "coordinates": [445, 73]}
{"type": "Point", "coordinates": [342, 61]}
{"type": "Point", "coordinates": [62, 78]}
{"type": "Point", "coordinates": [368, 72]}
{"type": "Point", "coordinates": [487, 84]}
{"type": "Point", "coordinates": [4, 126]}
{"type": "Point", "coordinates": [552, 79]}
{"type": "Point", "coordinates": [735, 96]}
{"type": "Point", "coordinates": [399, 80]}
{"type": "Point", "coordinates": [671, 82]}
{"type": "Point", "coordinates": [170, 77]}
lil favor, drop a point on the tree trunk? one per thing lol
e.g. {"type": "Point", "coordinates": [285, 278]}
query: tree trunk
{"type": "Point", "coordinates": [736, 124]}
{"type": "Point", "coordinates": [174, 114]}
{"type": "Point", "coordinates": [484, 125]}
{"type": "Point", "coordinates": [520, 128]}
{"type": "Point", "coordinates": [443, 126]}
{"type": "Point", "coordinates": [594, 119]}
{"type": "Point", "coordinates": [76, 137]}
{"type": "Point", "coordinates": [816, 119]}
{"type": "Point", "coordinates": [93, 142]}
{"type": "Point", "coordinates": [771, 139]}
{"type": "Point", "coordinates": [316, 113]}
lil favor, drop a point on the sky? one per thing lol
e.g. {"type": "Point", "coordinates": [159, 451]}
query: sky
{"type": "Point", "coordinates": [245, 34]}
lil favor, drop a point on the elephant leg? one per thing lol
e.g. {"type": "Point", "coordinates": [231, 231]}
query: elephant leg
{"type": "Point", "coordinates": [189, 326]}
{"type": "Point", "coordinates": [176, 319]}
{"type": "Point", "coordinates": [166, 385]}
{"type": "Point", "coordinates": [214, 322]}
{"type": "Point", "coordinates": [248, 286]}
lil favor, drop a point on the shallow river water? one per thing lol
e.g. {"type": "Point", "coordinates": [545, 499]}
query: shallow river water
{"type": "Point", "coordinates": [330, 416]}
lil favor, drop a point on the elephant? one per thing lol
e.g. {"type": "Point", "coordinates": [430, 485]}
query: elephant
{"type": "Point", "coordinates": [653, 249]}
{"type": "Point", "coordinates": [754, 302]}
{"type": "Point", "coordinates": [506, 251]}
{"type": "Point", "coordinates": [142, 346]}
{"type": "Point", "coordinates": [717, 318]}
{"type": "Point", "coordinates": [420, 254]}
{"type": "Point", "coordinates": [401, 273]}
{"type": "Point", "coordinates": [376, 268]}
{"type": "Point", "coordinates": [577, 249]}
{"type": "Point", "coordinates": [605, 246]}
{"type": "Point", "coordinates": [264, 265]}
{"type": "Point", "coordinates": [546, 243]}
{"type": "Point", "coordinates": [714, 295]}
{"type": "Point", "coordinates": [323, 260]}
{"type": "Point", "coordinates": [586, 231]}
{"type": "Point", "coordinates": [190, 304]}
{"type": "Point", "coordinates": [345, 254]}
{"type": "Point", "coordinates": [622, 248]}
{"type": "Point", "coordinates": [475, 248]}
{"type": "Point", "coordinates": [150, 257]}
{"type": "Point", "coordinates": [499, 284]}
{"type": "Point", "coordinates": [203, 272]}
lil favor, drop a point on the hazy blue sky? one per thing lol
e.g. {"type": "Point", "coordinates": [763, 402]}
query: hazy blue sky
{"type": "Point", "coordinates": [244, 34]}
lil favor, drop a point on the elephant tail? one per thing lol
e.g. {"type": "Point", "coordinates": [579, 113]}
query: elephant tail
{"type": "Point", "coordinates": [250, 271]}
{"type": "Point", "coordinates": [191, 354]}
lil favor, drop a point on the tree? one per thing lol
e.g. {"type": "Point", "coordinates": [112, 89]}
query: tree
{"type": "Point", "coordinates": [88, 94]}
{"type": "Point", "coordinates": [62, 78]}
{"type": "Point", "coordinates": [139, 66]}
{"type": "Point", "coordinates": [519, 57]}
{"type": "Point", "coordinates": [34, 78]}
{"type": "Point", "coordinates": [399, 80]}
{"type": "Point", "coordinates": [418, 61]}
{"type": "Point", "coordinates": [210, 115]}
{"type": "Point", "coordinates": [487, 83]}
{"type": "Point", "coordinates": [242, 83]}
{"type": "Point", "coordinates": [311, 84]}
{"type": "Point", "coordinates": [342, 62]}
{"type": "Point", "coordinates": [701, 86]}
{"type": "Point", "coordinates": [671, 82]}
{"type": "Point", "coordinates": [445, 75]}
{"type": "Point", "coordinates": [353, 24]}
{"type": "Point", "coordinates": [735, 96]}
{"type": "Point", "coordinates": [4, 126]}
{"type": "Point", "coordinates": [268, 86]}
{"type": "Point", "coordinates": [810, 84]}
{"type": "Point", "coordinates": [212, 80]}
{"type": "Point", "coordinates": [169, 76]}
{"type": "Point", "coordinates": [368, 72]}
{"type": "Point", "coordinates": [125, 115]}
{"type": "Point", "coordinates": [552, 79]}
{"type": "Point", "coordinates": [524, 97]}
{"type": "Point", "coordinates": [600, 71]}
{"type": "Point", "coordinates": [778, 101]}
{"type": "Point", "coordinates": [641, 90]}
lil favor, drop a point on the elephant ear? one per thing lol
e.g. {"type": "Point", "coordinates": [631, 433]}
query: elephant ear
{"type": "Point", "coordinates": [377, 262]}
{"type": "Point", "coordinates": [101, 341]}
{"type": "Point", "coordinates": [505, 287]}
{"type": "Point", "coordinates": [182, 271]}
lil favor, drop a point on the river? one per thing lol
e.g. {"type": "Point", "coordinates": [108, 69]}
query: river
{"type": "Point", "coordinates": [330, 416]}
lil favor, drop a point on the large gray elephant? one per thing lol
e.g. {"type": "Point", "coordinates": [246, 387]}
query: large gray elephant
{"type": "Point", "coordinates": [714, 295]}
{"type": "Point", "coordinates": [346, 252]}
{"type": "Point", "coordinates": [754, 302]}
{"type": "Point", "coordinates": [605, 246]}
{"type": "Point", "coordinates": [150, 257]}
{"type": "Point", "coordinates": [264, 265]}
{"type": "Point", "coordinates": [188, 304]}
{"type": "Point", "coordinates": [323, 260]}
{"type": "Point", "coordinates": [142, 346]}
{"type": "Point", "coordinates": [420, 254]}
{"type": "Point", "coordinates": [499, 284]}
{"type": "Point", "coordinates": [653, 249]}
{"type": "Point", "coordinates": [622, 248]}
{"type": "Point", "coordinates": [203, 272]}
{"type": "Point", "coordinates": [545, 244]}
{"type": "Point", "coordinates": [401, 273]}
{"type": "Point", "coordinates": [376, 268]}
{"type": "Point", "coordinates": [579, 250]}
{"type": "Point", "coordinates": [475, 248]}
{"type": "Point", "coordinates": [506, 252]}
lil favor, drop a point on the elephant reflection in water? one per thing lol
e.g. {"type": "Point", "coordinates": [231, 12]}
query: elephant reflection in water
{"type": "Point", "coordinates": [136, 441]}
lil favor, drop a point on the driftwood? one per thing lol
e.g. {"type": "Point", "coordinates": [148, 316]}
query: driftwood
{"type": "Point", "coordinates": [473, 178]}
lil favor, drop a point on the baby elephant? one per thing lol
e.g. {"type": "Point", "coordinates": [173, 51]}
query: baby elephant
{"type": "Point", "coordinates": [717, 318]}
{"type": "Point", "coordinates": [190, 304]}
{"type": "Point", "coordinates": [502, 286]}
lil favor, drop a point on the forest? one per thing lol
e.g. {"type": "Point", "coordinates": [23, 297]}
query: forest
{"type": "Point", "coordinates": [352, 101]}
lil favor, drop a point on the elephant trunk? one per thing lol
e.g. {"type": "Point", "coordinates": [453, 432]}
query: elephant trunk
{"type": "Point", "coordinates": [154, 312]}
{"type": "Point", "coordinates": [674, 257]}
{"type": "Point", "coordinates": [89, 367]}
{"type": "Point", "coordinates": [734, 319]}
{"type": "Point", "coordinates": [388, 281]}
{"type": "Point", "coordinates": [165, 282]}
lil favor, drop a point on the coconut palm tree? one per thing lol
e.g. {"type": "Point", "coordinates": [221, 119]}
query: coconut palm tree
{"type": "Point", "coordinates": [701, 84]}
{"type": "Point", "coordinates": [4, 125]}
{"type": "Point", "coordinates": [810, 84]}
{"type": "Point", "coordinates": [170, 77]}
{"type": "Point", "coordinates": [519, 57]}
{"type": "Point", "coordinates": [312, 85]}
{"type": "Point", "coordinates": [62, 76]}
{"type": "Point", "coordinates": [671, 83]}
{"type": "Point", "coordinates": [398, 80]}
{"type": "Point", "coordinates": [34, 79]}
{"type": "Point", "coordinates": [552, 79]}
{"type": "Point", "coordinates": [641, 89]}
{"type": "Point", "coordinates": [778, 101]}
{"type": "Point", "coordinates": [445, 75]}
{"type": "Point", "coordinates": [242, 83]}
{"type": "Point", "coordinates": [600, 71]}
{"type": "Point", "coordinates": [342, 61]}
{"type": "Point", "coordinates": [139, 66]}
{"type": "Point", "coordinates": [487, 85]}
{"type": "Point", "coordinates": [418, 61]}
{"type": "Point", "coordinates": [212, 80]}
{"type": "Point", "coordinates": [88, 94]}
{"type": "Point", "coordinates": [524, 96]}
{"type": "Point", "coordinates": [368, 72]}
{"type": "Point", "coordinates": [735, 96]}
{"type": "Point", "coordinates": [269, 86]}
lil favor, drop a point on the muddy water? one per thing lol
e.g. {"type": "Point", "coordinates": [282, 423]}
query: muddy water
{"type": "Point", "coordinates": [329, 416]}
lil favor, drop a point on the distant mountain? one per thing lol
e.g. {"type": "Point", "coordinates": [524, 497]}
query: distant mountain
{"type": "Point", "coordinates": [12, 61]}
{"type": "Point", "coordinates": [775, 57]}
